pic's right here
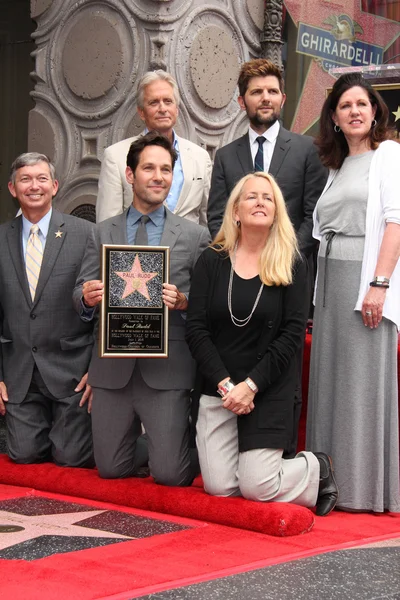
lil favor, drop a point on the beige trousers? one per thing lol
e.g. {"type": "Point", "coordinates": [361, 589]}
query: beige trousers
{"type": "Point", "coordinates": [259, 474]}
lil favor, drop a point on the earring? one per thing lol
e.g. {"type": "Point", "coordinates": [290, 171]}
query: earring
{"type": "Point", "coordinates": [373, 123]}
{"type": "Point", "coordinates": [337, 128]}
{"type": "Point", "coordinates": [237, 223]}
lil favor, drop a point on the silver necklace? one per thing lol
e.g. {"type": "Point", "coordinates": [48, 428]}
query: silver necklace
{"type": "Point", "coordinates": [235, 320]}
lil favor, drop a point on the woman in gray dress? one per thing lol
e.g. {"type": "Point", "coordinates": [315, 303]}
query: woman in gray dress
{"type": "Point", "coordinates": [353, 393]}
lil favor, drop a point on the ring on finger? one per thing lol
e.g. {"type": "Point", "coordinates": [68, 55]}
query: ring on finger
{"type": "Point", "coordinates": [368, 313]}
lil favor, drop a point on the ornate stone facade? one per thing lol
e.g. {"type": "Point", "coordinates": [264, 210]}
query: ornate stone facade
{"type": "Point", "coordinates": [89, 56]}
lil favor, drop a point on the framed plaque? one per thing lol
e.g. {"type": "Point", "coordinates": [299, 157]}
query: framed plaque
{"type": "Point", "coordinates": [134, 319]}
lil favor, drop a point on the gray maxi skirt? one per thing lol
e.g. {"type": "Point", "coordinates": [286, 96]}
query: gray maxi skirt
{"type": "Point", "coordinates": [353, 393]}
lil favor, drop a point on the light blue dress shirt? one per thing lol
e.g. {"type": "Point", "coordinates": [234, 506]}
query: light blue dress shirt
{"type": "Point", "coordinates": [154, 227]}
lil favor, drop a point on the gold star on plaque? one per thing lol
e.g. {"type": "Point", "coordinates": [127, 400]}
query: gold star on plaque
{"type": "Point", "coordinates": [59, 234]}
{"type": "Point", "coordinates": [397, 114]}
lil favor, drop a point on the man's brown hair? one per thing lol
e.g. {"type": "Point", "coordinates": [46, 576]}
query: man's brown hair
{"type": "Point", "coordinates": [258, 67]}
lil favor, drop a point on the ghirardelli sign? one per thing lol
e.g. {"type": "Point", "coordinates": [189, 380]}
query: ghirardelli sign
{"type": "Point", "coordinates": [338, 46]}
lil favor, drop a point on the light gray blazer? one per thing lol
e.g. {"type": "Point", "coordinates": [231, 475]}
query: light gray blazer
{"type": "Point", "coordinates": [47, 331]}
{"type": "Point", "coordinates": [187, 241]}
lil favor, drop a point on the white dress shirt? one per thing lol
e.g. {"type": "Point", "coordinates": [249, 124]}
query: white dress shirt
{"type": "Point", "coordinates": [268, 146]}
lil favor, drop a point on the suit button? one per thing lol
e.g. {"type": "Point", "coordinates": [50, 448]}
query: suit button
{"type": "Point", "coordinates": [33, 316]}
{"type": "Point", "coordinates": [259, 356]}
{"type": "Point", "coordinates": [34, 349]}
{"type": "Point", "coordinates": [270, 323]}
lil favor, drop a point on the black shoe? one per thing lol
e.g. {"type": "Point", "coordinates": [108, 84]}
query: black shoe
{"type": "Point", "coordinates": [328, 493]}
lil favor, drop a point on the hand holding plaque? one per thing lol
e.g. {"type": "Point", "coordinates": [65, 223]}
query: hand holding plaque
{"type": "Point", "coordinates": [134, 319]}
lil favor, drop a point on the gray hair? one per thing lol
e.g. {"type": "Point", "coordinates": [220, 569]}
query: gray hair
{"type": "Point", "coordinates": [28, 159]}
{"type": "Point", "coordinates": [152, 77]}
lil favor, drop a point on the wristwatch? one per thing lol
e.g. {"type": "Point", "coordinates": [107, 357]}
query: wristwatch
{"type": "Point", "coordinates": [251, 385]}
{"type": "Point", "coordinates": [224, 389]}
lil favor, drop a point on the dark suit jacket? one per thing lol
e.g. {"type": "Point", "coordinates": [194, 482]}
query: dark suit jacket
{"type": "Point", "coordinates": [275, 370]}
{"type": "Point", "coordinates": [186, 241]}
{"type": "Point", "coordinates": [46, 332]}
{"type": "Point", "coordinates": [294, 164]}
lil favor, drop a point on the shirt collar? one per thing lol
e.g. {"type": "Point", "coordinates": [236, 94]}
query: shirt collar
{"type": "Point", "coordinates": [270, 134]}
{"type": "Point", "coordinates": [43, 225]}
{"type": "Point", "coordinates": [175, 139]}
{"type": "Point", "coordinates": [156, 217]}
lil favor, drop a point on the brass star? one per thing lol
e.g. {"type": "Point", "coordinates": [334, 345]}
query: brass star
{"type": "Point", "coordinates": [59, 234]}
{"type": "Point", "coordinates": [397, 114]}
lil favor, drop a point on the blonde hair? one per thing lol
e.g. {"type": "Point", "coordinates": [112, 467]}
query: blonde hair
{"type": "Point", "coordinates": [281, 248]}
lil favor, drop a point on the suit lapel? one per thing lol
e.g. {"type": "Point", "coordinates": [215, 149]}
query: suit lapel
{"type": "Point", "coordinates": [282, 147]}
{"type": "Point", "coordinates": [117, 229]}
{"type": "Point", "coordinates": [188, 171]}
{"type": "Point", "coordinates": [172, 230]}
{"type": "Point", "coordinates": [14, 236]}
{"type": "Point", "coordinates": [244, 155]}
{"type": "Point", "coordinates": [54, 242]}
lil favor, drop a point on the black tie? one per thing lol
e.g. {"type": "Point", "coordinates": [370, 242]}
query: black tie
{"type": "Point", "coordinates": [259, 159]}
{"type": "Point", "coordinates": [141, 238]}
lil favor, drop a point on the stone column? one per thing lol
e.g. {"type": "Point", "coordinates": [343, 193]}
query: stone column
{"type": "Point", "coordinates": [271, 37]}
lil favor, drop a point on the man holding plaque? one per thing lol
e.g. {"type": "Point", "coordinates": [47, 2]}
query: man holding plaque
{"type": "Point", "coordinates": [156, 389]}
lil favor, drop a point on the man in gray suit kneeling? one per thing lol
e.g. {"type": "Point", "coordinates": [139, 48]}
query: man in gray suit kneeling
{"type": "Point", "coordinates": [157, 390]}
{"type": "Point", "coordinates": [45, 347]}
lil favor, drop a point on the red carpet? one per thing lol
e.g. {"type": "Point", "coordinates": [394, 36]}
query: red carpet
{"type": "Point", "coordinates": [205, 551]}
{"type": "Point", "coordinates": [278, 519]}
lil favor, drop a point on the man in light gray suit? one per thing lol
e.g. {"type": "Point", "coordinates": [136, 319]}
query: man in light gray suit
{"type": "Point", "coordinates": [45, 348]}
{"type": "Point", "coordinates": [158, 106]}
{"type": "Point", "coordinates": [157, 390]}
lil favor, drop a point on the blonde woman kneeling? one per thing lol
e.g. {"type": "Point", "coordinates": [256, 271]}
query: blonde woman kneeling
{"type": "Point", "coordinates": [246, 319]}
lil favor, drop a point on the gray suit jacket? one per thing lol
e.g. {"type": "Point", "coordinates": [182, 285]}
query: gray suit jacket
{"type": "Point", "coordinates": [47, 331]}
{"type": "Point", "coordinates": [186, 240]}
{"type": "Point", "coordinates": [294, 164]}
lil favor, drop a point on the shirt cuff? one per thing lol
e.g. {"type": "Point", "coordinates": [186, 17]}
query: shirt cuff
{"type": "Point", "coordinates": [87, 312]}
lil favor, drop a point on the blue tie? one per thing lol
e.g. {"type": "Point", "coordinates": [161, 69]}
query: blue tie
{"type": "Point", "coordinates": [259, 159]}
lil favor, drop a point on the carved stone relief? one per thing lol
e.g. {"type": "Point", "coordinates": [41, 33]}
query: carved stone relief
{"type": "Point", "coordinates": [90, 55]}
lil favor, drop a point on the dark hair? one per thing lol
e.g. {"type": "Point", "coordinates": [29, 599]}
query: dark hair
{"type": "Point", "coordinates": [150, 139]}
{"type": "Point", "coordinates": [258, 67]}
{"type": "Point", "coordinates": [332, 146]}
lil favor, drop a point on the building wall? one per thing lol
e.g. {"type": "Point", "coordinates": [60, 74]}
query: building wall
{"type": "Point", "coordinates": [91, 53]}
{"type": "Point", "coordinates": [15, 65]}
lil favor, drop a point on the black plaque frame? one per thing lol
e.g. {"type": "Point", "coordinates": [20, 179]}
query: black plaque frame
{"type": "Point", "coordinates": [131, 324]}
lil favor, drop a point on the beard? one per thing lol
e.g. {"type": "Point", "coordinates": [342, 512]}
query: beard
{"type": "Point", "coordinates": [257, 119]}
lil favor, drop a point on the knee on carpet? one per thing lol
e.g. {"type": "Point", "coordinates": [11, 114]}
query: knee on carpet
{"type": "Point", "coordinates": [170, 477]}
{"type": "Point", "coordinates": [74, 460]}
{"type": "Point", "coordinates": [259, 487]}
{"type": "Point", "coordinates": [28, 457]}
{"type": "Point", "coordinates": [113, 471]}
{"type": "Point", "coordinates": [220, 488]}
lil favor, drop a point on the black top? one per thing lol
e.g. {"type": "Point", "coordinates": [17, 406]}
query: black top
{"type": "Point", "coordinates": [237, 345]}
{"type": "Point", "coordinates": [266, 350]}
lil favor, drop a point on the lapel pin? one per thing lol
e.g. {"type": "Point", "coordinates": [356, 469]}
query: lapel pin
{"type": "Point", "coordinates": [59, 234]}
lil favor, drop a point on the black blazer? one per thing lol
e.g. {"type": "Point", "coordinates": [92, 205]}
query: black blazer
{"type": "Point", "coordinates": [275, 372]}
{"type": "Point", "coordinates": [294, 164]}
